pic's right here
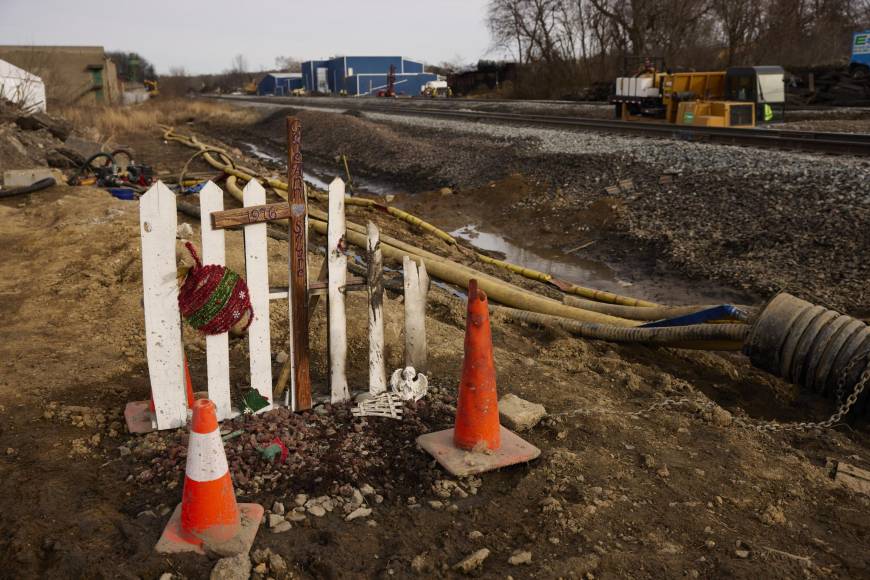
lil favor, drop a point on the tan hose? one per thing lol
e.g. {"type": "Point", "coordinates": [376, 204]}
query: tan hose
{"type": "Point", "coordinates": [280, 188]}
{"type": "Point", "coordinates": [697, 336]}
{"type": "Point", "coordinates": [640, 312]}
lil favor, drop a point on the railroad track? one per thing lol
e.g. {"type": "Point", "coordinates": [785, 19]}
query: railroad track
{"type": "Point", "coordinates": [833, 143]}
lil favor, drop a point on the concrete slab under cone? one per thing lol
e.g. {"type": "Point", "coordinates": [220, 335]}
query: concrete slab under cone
{"type": "Point", "coordinates": [172, 540]}
{"type": "Point", "coordinates": [461, 463]}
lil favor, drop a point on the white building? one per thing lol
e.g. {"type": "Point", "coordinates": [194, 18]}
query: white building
{"type": "Point", "coordinates": [20, 87]}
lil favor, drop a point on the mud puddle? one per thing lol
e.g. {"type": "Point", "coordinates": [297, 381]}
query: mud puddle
{"type": "Point", "coordinates": [564, 266]}
{"type": "Point", "coordinates": [320, 175]}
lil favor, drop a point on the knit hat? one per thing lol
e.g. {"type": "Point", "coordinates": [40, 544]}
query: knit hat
{"type": "Point", "coordinates": [213, 298]}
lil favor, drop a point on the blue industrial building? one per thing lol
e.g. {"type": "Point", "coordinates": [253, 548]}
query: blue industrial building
{"type": "Point", "coordinates": [279, 83]}
{"type": "Point", "coordinates": [364, 75]}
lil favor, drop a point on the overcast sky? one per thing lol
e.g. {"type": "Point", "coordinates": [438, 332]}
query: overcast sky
{"type": "Point", "coordinates": [204, 35]}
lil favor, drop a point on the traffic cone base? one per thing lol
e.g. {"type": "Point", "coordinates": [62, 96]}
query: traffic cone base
{"type": "Point", "coordinates": [175, 540]}
{"type": "Point", "coordinates": [460, 463]}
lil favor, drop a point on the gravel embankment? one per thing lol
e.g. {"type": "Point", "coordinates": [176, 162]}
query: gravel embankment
{"type": "Point", "coordinates": [753, 219]}
{"type": "Point", "coordinates": [764, 220]}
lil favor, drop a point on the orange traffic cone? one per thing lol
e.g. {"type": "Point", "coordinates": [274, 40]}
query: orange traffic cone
{"type": "Point", "coordinates": [208, 516]}
{"type": "Point", "coordinates": [478, 442]}
{"type": "Point", "coordinates": [139, 415]}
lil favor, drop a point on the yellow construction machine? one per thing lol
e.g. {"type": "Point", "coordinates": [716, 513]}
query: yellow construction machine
{"type": "Point", "coordinates": [736, 97]}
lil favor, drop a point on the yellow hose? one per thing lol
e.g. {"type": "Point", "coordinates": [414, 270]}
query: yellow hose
{"type": "Point", "coordinates": [280, 188]}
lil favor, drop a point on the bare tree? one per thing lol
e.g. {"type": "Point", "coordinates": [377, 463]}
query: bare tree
{"type": "Point", "coordinates": [240, 64]}
{"type": "Point", "coordinates": [287, 64]}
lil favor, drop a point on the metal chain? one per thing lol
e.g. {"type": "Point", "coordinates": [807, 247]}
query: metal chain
{"type": "Point", "coordinates": [760, 426]}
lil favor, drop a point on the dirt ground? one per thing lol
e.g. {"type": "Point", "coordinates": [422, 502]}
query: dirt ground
{"type": "Point", "coordinates": [619, 491]}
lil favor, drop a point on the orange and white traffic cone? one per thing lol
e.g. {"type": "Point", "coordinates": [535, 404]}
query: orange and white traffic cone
{"type": "Point", "coordinates": [139, 415]}
{"type": "Point", "coordinates": [208, 516]}
{"type": "Point", "coordinates": [478, 442]}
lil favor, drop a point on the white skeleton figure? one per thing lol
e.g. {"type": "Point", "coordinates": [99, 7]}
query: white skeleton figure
{"type": "Point", "coordinates": [408, 384]}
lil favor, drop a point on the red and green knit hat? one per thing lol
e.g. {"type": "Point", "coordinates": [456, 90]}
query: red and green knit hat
{"type": "Point", "coordinates": [213, 298]}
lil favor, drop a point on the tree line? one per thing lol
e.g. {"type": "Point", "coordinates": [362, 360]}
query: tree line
{"type": "Point", "coordinates": [563, 45]}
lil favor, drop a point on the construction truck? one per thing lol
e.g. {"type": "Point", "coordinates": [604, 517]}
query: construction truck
{"type": "Point", "coordinates": [736, 97]}
{"type": "Point", "coordinates": [436, 89]}
{"type": "Point", "coordinates": [859, 66]}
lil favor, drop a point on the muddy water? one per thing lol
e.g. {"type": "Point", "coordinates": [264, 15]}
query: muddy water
{"type": "Point", "coordinates": [318, 175]}
{"type": "Point", "coordinates": [566, 264]}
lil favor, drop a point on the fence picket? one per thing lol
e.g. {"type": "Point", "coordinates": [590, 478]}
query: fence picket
{"type": "Point", "coordinates": [158, 222]}
{"type": "Point", "coordinates": [416, 282]}
{"type": "Point", "coordinates": [377, 371]}
{"type": "Point", "coordinates": [257, 270]}
{"type": "Point", "coordinates": [211, 199]}
{"type": "Point", "coordinates": [337, 281]}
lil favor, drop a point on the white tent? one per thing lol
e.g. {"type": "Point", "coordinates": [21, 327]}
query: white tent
{"type": "Point", "coordinates": [21, 87]}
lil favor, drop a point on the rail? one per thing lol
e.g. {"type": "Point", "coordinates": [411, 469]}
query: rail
{"type": "Point", "coordinates": [819, 142]}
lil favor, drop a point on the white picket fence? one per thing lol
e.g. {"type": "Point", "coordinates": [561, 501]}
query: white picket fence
{"type": "Point", "coordinates": [158, 220]}
{"type": "Point", "coordinates": [158, 225]}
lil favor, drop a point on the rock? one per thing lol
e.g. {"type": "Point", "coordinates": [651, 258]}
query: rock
{"type": "Point", "coordinates": [235, 568]}
{"type": "Point", "coordinates": [261, 568]}
{"type": "Point", "coordinates": [773, 515]}
{"type": "Point", "coordinates": [520, 557]}
{"type": "Point", "coordinates": [721, 417]}
{"type": "Point", "coordinates": [436, 505]}
{"type": "Point", "coordinates": [278, 508]}
{"type": "Point", "coordinates": [317, 511]}
{"type": "Point", "coordinates": [361, 512]}
{"type": "Point", "coordinates": [300, 499]}
{"type": "Point", "coordinates": [167, 576]}
{"type": "Point", "coordinates": [277, 565]}
{"type": "Point", "coordinates": [281, 357]}
{"type": "Point", "coordinates": [295, 516]}
{"type": "Point", "coordinates": [663, 471]}
{"type": "Point", "coordinates": [275, 519]}
{"type": "Point", "coordinates": [472, 562]}
{"type": "Point", "coordinates": [357, 499]}
{"type": "Point", "coordinates": [366, 490]}
{"type": "Point", "coordinates": [422, 564]}
{"type": "Point", "coordinates": [518, 414]}
{"type": "Point", "coordinates": [184, 232]}
{"type": "Point", "coordinates": [445, 191]}
{"type": "Point", "coordinates": [648, 461]}
{"type": "Point", "coordinates": [475, 535]}
{"type": "Point", "coordinates": [710, 544]}
{"type": "Point", "coordinates": [282, 527]}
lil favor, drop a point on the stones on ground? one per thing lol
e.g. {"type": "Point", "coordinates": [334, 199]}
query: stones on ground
{"type": "Point", "coordinates": [278, 508]}
{"type": "Point", "coordinates": [234, 568]}
{"type": "Point", "coordinates": [317, 511]}
{"type": "Point", "coordinates": [520, 557]}
{"type": "Point", "coordinates": [518, 414]}
{"type": "Point", "coordinates": [721, 417]}
{"type": "Point", "coordinates": [300, 500]}
{"type": "Point", "coordinates": [275, 519]}
{"type": "Point", "coordinates": [436, 505]}
{"type": "Point", "coordinates": [773, 515]}
{"type": "Point", "coordinates": [284, 526]}
{"type": "Point", "coordinates": [472, 562]}
{"type": "Point", "coordinates": [475, 535]}
{"type": "Point", "coordinates": [366, 490]}
{"type": "Point", "coordinates": [361, 512]}
{"type": "Point", "coordinates": [422, 564]}
{"type": "Point", "coordinates": [295, 517]}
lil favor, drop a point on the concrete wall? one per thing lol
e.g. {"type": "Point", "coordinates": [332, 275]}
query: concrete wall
{"type": "Point", "coordinates": [72, 74]}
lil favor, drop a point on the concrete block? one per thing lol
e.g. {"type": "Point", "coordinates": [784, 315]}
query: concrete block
{"type": "Point", "coordinates": [25, 177]}
{"type": "Point", "coordinates": [518, 414]}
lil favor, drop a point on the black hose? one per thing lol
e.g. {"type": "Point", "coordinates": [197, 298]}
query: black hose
{"type": "Point", "coordinates": [74, 180]}
{"type": "Point", "coordinates": [35, 186]}
{"type": "Point", "coordinates": [657, 335]}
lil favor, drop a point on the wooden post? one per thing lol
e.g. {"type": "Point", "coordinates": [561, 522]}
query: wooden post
{"type": "Point", "coordinates": [158, 222]}
{"type": "Point", "coordinates": [416, 288]}
{"type": "Point", "coordinates": [298, 257]}
{"type": "Point", "coordinates": [377, 372]}
{"type": "Point", "coordinates": [337, 279]}
{"type": "Point", "coordinates": [257, 270]}
{"type": "Point", "coordinates": [211, 199]}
